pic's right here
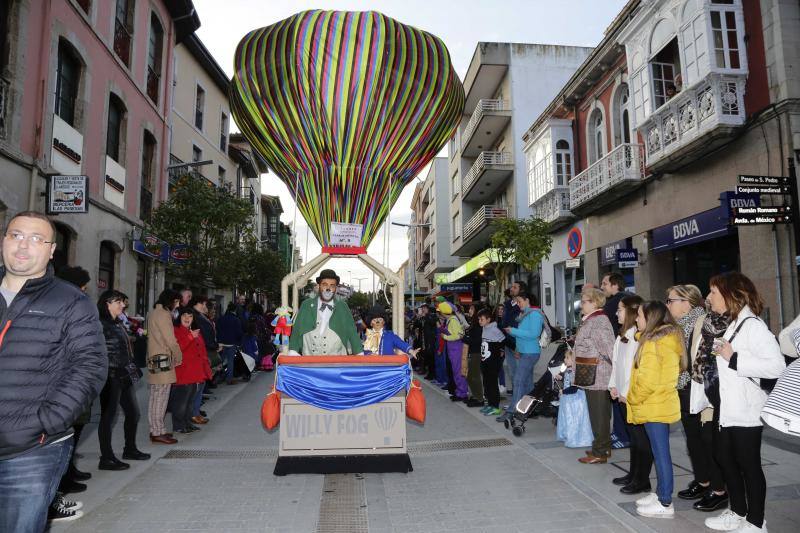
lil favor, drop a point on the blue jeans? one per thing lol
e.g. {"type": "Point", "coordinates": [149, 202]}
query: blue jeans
{"type": "Point", "coordinates": [28, 484]}
{"type": "Point", "coordinates": [228, 355]}
{"type": "Point", "coordinates": [658, 433]}
{"type": "Point", "coordinates": [523, 377]}
{"type": "Point", "coordinates": [441, 367]}
{"type": "Point", "coordinates": [511, 368]}
{"type": "Point", "coordinates": [198, 399]}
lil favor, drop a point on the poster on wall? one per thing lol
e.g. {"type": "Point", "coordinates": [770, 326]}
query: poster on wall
{"type": "Point", "coordinates": [67, 194]}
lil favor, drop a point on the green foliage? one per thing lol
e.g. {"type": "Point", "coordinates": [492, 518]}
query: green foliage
{"type": "Point", "coordinates": [262, 271]}
{"type": "Point", "coordinates": [209, 219]}
{"type": "Point", "coordinates": [523, 242]}
{"type": "Point", "coordinates": [359, 300]}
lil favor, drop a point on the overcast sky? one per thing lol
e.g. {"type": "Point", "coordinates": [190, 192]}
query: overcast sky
{"type": "Point", "coordinates": [459, 24]}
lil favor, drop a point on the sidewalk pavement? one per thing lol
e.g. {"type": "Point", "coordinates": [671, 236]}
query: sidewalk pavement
{"type": "Point", "coordinates": [470, 475]}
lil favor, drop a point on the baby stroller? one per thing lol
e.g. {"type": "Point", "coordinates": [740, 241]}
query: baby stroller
{"type": "Point", "coordinates": [543, 399]}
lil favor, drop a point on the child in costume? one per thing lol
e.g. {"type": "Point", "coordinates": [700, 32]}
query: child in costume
{"type": "Point", "coordinates": [381, 341]}
{"type": "Point", "coordinates": [492, 353]}
{"type": "Point", "coordinates": [452, 335]}
{"type": "Point", "coordinates": [573, 428]}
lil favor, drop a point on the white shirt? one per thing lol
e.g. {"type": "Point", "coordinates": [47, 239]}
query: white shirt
{"type": "Point", "coordinates": [324, 315]}
{"type": "Point", "coordinates": [622, 362]}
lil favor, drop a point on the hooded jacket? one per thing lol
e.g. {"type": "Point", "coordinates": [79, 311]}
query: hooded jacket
{"type": "Point", "coordinates": [652, 396]}
{"type": "Point", "coordinates": [492, 341]}
{"type": "Point", "coordinates": [53, 362]}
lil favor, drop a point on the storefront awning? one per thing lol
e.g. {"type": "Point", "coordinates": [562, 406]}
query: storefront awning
{"type": "Point", "coordinates": [691, 230]}
{"type": "Point", "coordinates": [476, 263]}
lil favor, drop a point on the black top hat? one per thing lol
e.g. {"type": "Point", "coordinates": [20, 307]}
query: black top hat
{"type": "Point", "coordinates": [377, 311]}
{"type": "Point", "coordinates": [328, 274]}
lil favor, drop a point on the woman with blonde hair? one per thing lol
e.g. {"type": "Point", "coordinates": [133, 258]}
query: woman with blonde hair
{"type": "Point", "coordinates": [594, 343]}
{"type": "Point", "coordinates": [653, 398]}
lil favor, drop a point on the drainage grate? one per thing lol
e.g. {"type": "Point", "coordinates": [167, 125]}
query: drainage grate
{"type": "Point", "coordinates": [266, 453]}
{"type": "Point", "coordinates": [430, 447]}
{"type": "Point", "coordinates": [343, 506]}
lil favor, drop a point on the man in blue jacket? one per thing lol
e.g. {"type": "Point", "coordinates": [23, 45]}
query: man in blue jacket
{"type": "Point", "coordinates": [229, 337]}
{"type": "Point", "coordinates": [511, 313]}
{"type": "Point", "coordinates": [53, 364]}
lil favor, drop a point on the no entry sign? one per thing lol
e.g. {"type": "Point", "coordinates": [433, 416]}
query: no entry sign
{"type": "Point", "coordinates": [574, 242]}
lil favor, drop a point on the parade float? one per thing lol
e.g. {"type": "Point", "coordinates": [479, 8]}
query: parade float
{"type": "Point", "coordinates": [346, 108]}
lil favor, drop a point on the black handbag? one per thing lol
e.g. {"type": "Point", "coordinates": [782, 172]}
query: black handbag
{"type": "Point", "coordinates": [130, 374]}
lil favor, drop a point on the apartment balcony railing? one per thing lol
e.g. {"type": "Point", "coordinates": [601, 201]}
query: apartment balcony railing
{"type": "Point", "coordinates": [4, 105]}
{"type": "Point", "coordinates": [618, 172]}
{"type": "Point", "coordinates": [482, 218]}
{"type": "Point", "coordinates": [487, 121]}
{"type": "Point", "coordinates": [122, 41]}
{"type": "Point", "coordinates": [695, 121]}
{"type": "Point", "coordinates": [153, 82]}
{"type": "Point", "coordinates": [554, 208]}
{"type": "Point", "coordinates": [487, 173]}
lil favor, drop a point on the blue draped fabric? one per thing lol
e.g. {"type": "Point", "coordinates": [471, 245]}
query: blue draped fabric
{"type": "Point", "coordinates": [342, 387]}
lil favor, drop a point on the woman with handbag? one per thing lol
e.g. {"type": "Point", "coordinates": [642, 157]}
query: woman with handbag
{"type": "Point", "coordinates": [625, 347]}
{"type": "Point", "coordinates": [594, 344]}
{"type": "Point", "coordinates": [687, 307]}
{"type": "Point", "coordinates": [123, 374]}
{"type": "Point", "coordinates": [163, 354]}
{"type": "Point", "coordinates": [746, 354]}
{"type": "Point", "coordinates": [653, 397]}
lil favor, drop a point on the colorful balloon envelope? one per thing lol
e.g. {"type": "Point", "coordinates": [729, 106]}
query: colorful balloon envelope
{"type": "Point", "coordinates": [346, 107]}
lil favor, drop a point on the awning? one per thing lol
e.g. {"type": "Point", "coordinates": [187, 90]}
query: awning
{"type": "Point", "coordinates": [691, 230]}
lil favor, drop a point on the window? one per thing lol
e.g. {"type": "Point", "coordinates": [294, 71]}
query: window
{"type": "Point", "coordinates": [563, 163]}
{"type": "Point", "coordinates": [454, 228]}
{"type": "Point", "coordinates": [68, 75]}
{"type": "Point", "coordinates": [454, 185]}
{"type": "Point", "coordinates": [221, 174]}
{"type": "Point", "coordinates": [148, 158]}
{"type": "Point", "coordinates": [197, 154]}
{"type": "Point", "coordinates": [223, 132]}
{"type": "Point", "coordinates": [665, 72]}
{"type": "Point", "coordinates": [199, 105]}
{"type": "Point", "coordinates": [539, 180]}
{"type": "Point", "coordinates": [63, 243]}
{"type": "Point", "coordinates": [85, 5]}
{"type": "Point", "coordinates": [123, 30]}
{"type": "Point", "coordinates": [726, 40]}
{"type": "Point", "coordinates": [116, 117]}
{"type": "Point", "coordinates": [596, 137]}
{"type": "Point", "coordinates": [4, 34]}
{"type": "Point", "coordinates": [154, 58]}
{"type": "Point", "coordinates": [623, 124]}
{"type": "Point", "coordinates": [105, 273]}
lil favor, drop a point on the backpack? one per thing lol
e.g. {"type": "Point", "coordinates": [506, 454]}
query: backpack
{"type": "Point", "coordinates": [549, 333]}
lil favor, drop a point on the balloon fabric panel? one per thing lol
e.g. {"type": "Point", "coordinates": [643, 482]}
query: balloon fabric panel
{"type": "Point", "coordinates": [346, 108]}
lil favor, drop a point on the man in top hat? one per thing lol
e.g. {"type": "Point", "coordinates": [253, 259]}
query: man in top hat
{"type": "Point", "coordinates": [324, 325]}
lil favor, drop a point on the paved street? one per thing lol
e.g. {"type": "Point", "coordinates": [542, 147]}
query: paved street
{"type": "Point", "coordinates": [470, 475]}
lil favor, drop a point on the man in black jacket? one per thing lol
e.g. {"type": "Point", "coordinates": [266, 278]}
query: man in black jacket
{"type": "Point", "coordinates": [52, 365]}
{"type": "Point", "coordinates": [613, 286]}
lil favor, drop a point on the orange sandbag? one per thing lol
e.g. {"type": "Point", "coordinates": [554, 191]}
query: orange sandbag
{"type": "Point", "coordinates": [271, 410]}
{"type": "Point", "coordinates": [415, 403]}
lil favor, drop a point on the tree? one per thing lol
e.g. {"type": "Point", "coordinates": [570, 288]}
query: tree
{"type": "Point", "coordinates": [358, 300]}
{"type": "Point", "coordinates": [523, 242]}
{"type": "Point", "coordinates": [263, 271]}
{"type": "Point", "coordinates": [216, 226]}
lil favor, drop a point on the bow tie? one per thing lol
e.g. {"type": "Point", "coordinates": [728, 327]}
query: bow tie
{"type": "Point", "coordinates": [326, 306]}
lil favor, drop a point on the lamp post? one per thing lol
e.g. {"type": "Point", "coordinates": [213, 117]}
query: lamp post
{"type": "Point", "coordinates": [359, 281]}
{"type": "Point", "coordinates": [413, 227]}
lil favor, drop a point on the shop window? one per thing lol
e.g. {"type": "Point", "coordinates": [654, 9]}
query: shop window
{"type": "Point", "coordinates": [68, 74]}
{"type": "Point", "coordinates": [726, 40]}
{"type": "Point", "coordinates": [563, 163]}
{"type": "Point", "coordinates": [148, 159]}
{"type": "Point", "coordinates": [199, 107]}
{"type": "Point", "coordinates": [154, 50]}
{"type": "Point", "coordinates": [116, 122]}
{"type": "Point", "coordinates": [105, 273]}
{"type": "Point", "coordinates": [223, 132]}
{"type": "Point", "coordinates": [665, 70]}
{"type": "Point", "coordinates": [123, 30]}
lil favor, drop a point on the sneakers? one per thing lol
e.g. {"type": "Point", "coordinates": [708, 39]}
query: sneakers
{"type": "Point", "coordinates": [647, 500]}
{"type": "Point", "coordinates": [493, 411]}
{"type": "Point", "coordinates": [656, 510]}
{"type": "Point", "coordinates": [485, 408]}
{"type": "Point", "coordinates": [502, 389]}
{"type": "Point", "coordinates": [727, 520]}
{"type": "Point", "coordinates": [747, 527]}
{"type": "Point", "coordinates": [62, 510]}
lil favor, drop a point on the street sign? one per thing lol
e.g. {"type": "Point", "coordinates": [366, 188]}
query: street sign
{"type": "Point", "coordinates": [628, 258]}
{"type": "Point", "coordinates": [754, 220]}
{"type": "Point", "coordinates": [764, 180]}
{"type": "Point", "coordinates": [574, 242]}
{"type": "Point", "coordinates": [456, 287]}
{"type": "Point", "coordinates": [67, 194]}
{"type": "Point", "coordinates": [762, 189]}
{"type": "Point", "coordinates": [776, 210]}
{"type": "Point", "coordinates": [574, 263]}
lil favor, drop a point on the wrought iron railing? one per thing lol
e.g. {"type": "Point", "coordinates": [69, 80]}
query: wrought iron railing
{"type": "Point", "coordinates": [553, 205]}
{"type": "Point", "coordinates": [484, 106]}
{"type": "Point", "coordinates": [122, 41]}
{"type": "Point", "coordinates": [623, 163]}
{"type": "Point", "coordinates": [484, 159]}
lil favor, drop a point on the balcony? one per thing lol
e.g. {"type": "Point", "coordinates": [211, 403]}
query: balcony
{"type": "Point", "coordinates": [553, 208]}
{"type": "Point", "coordinates": [485, 125]}
{"type": "Point", "coordinates": [615, 175]}
{"type": "Point", "coordinates": [4, 97]}
{"type": "Point", "coordinates": [476, 232]}
{"type": "Point", "coordinates": [694, 122]}
{"type": "Point", "coordinates": [122, 41]}
{"type": "Point", "coordinates": [486, 175]}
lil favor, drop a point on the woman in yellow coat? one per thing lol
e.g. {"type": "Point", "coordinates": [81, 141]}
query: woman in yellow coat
{"type": "Point", "coordinates": [653, 398]}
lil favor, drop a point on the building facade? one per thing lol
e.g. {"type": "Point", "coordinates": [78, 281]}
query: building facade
{"type": "Point", "coordinates": [436, 244]}
{"type": "Point", "coordinates": [84, 91]}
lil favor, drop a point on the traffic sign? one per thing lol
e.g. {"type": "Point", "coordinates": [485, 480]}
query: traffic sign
{"type": "Point", "coordinates": [776, 210]}
{"type": "Point", "coordinates": [574, 242]}
{"type": "Point", "coordinates": [762, 189]}
{"type": "Point", "coordinates": [764, 180]}
{"type": "Point", "coordinates": [754, 220]}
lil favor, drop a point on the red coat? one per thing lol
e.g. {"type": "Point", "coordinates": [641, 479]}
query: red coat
{"type": "Point", "coordinates": [195, 367]}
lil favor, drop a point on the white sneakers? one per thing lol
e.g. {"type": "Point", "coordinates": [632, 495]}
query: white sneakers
{"type": "Point", "coordinates": [747, 527]}
{"type": "Point", "coordinates": [727, 520]}
{"type": "Point", "coordinates": [654, 509]}
{"type": "Point", "coordinates": [647, 500]}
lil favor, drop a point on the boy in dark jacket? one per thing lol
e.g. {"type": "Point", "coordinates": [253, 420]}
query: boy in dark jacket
{"type": "Point", "coordinates": [492, 351]}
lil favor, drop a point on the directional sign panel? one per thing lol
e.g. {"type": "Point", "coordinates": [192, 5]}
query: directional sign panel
{"type": "Point", "coordinates": [764, 180]}
{"type": "Point", "coordinates": [773, 211]}
{"type": "Point", "coordinates": [762, 189]}
{"type": "Point", "coordinates": [754, 220]}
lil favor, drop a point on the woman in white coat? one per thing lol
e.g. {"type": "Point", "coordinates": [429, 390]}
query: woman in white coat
{"type": "Point", "coordinates": [747, 352]}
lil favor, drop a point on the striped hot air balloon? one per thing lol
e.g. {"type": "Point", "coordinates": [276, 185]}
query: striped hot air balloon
{"type": "Point", "coordinates": [346, 108]}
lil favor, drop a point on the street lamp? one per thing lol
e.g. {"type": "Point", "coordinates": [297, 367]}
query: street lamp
{"type": "Point", "coordinates": [413, 255]}
{"type": "Point", "coordinates": [359, 281]}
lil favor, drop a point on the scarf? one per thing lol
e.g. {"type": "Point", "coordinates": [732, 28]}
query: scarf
{"type": "Point", "coordinates": [704, 369]}
{"type": "Point", "coordinates": [687, 322]}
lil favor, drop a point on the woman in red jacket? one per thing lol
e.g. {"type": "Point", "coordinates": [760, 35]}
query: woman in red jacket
{"type": "Point", "coordinates": [193, 370]}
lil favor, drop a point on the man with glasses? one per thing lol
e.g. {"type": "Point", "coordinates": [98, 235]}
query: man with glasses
{"type": "Point", "coordinates": [52, 365]}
